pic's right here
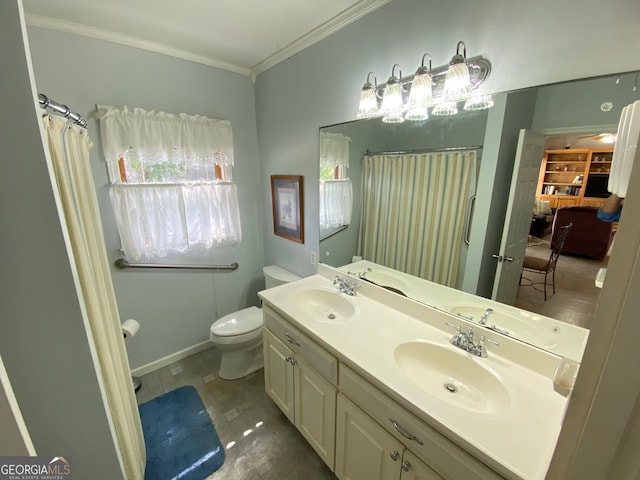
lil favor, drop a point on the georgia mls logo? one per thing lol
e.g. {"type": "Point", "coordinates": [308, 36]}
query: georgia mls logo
{"type": "Point", "coordinates": [59, 466]}
{"type": "Point", "coordinates": [35, 468]}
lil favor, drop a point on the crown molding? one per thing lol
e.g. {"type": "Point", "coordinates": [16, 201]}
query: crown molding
{"type": "Point", "coordinates": [338, 22]}
{"type": "Point", "coordinates": [129, 41]}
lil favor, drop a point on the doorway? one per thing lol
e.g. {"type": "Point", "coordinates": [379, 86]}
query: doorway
{"type": "Point", "coordinates": [576, 291]}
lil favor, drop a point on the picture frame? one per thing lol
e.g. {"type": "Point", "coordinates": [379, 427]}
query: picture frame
{"type": "Point", "coordinates": [288, 211]}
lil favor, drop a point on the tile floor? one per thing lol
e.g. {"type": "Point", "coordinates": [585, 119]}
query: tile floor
{"type": "Point", "coordinates": [576, 294]}
{"type": "Point", "coordinates": [260, 442]}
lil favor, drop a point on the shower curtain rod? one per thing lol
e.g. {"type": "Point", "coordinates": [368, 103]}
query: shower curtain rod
{"type": "Point", "coordinates": [46, 102]}
{"type": "Point", "coordinates": [423, 150]}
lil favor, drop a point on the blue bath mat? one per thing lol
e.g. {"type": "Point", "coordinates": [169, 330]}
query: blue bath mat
{"type": "Point", "coordinates": [181, 441]}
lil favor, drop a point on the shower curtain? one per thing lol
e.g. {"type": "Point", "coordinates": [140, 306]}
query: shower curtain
{"type": "Point", "coordinates": [413, 208]}
{"type": "Point", "coordinates": [71, 175]}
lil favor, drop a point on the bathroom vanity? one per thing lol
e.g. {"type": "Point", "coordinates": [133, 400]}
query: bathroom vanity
{"type": "Point", "coordinates": [562, 338]}
{"type": "Point", "coordinates": [373, 383]}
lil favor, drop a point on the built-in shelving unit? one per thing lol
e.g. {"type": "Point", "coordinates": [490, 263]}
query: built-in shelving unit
{"type": "Point", "coordinates": [577, 176]}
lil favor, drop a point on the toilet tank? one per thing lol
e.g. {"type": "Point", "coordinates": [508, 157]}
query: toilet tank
{"type": "Point", "coordinates": [275, 275]}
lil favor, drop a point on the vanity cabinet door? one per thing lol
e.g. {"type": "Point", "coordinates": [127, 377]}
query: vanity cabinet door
{"type": "Point", "coordinates": [315, 410]}
{"type": "Point", "coordinates": [364, 450]}
{"type": "Point", "coordinates": [414, 469]}
{"type": "Point", "coordinates": [278, 373]}
{"type": "Point", "coordinates": [304, 396]}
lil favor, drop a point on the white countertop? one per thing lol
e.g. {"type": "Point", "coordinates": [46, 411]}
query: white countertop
{"type": "Point", "coordinates": [558, 337]}
{"type": "Point", "coordinates": [517, 440]}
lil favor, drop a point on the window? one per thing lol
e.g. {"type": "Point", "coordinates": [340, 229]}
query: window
{"type": "Point", "coordinates": [172, 188]}
{"type": "Point", "coordinates": [336, 196]}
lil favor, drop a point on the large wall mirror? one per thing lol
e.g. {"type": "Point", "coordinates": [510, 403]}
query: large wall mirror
{"type": "Point", "coordinates": [478, 149]}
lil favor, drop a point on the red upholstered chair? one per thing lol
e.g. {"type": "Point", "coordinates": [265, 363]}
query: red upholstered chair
{"type": "Point", "coordinates": [589, 237]}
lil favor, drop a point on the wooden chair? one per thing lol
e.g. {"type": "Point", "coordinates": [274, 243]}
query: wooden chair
{"type": "Point", "coordinates": [546, 266]}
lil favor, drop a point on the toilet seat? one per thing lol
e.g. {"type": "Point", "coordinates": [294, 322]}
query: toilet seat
{"type": "Point", "coordinates": [238, 323]}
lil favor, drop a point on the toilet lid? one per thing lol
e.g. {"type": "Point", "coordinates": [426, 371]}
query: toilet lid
{"type": "Point", "coordinates": [237, 323]}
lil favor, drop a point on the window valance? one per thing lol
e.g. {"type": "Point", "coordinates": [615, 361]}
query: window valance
{"type": "Point", "coordinates": [334, 150]}
{"type": "Point", "coordinates": [162, 137]}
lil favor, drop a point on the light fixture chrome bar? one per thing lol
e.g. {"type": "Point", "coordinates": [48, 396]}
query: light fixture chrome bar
{"type": "Point", "coordinates": [121, 264]}
{"type": "Point", "coordinates": [479, 70]}
{"type": "Point", "coordinates": [46, 102]}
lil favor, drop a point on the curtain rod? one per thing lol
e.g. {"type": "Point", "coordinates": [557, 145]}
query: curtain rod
{"type": "Point", "coordinates": [423, 150]}
{"type": "Point", "coordinates": [46, 102]}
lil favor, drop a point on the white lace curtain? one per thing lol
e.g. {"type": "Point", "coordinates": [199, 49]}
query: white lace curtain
{"type": "Point", "coordinates": [172, 189]}
{"type": "Point", "coordinates": [336, 202]}
{"type": "Point", "coordinates": [336, 194]}
{"type": "Point", "coordinates": [334, 149]}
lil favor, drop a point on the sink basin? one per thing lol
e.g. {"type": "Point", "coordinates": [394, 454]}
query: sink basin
{"type": "Point", "coordinates": [387, 280]}
{"type": "Point", "coordinates": [324, 305]}
{"type": "Point", "coordinates": [517, 327]}
{"type": "Point", "coordinates": [453, 376]}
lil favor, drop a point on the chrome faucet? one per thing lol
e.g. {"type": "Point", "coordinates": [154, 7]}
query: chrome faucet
{"type": "Point", "coordinates": [464, 340]}
{"type": "Point", "coordinates": [362, 275]}
{"type": "Point", "coordinates": [346, 285]}
{"type": "Point", "coordinates": [485, 316]}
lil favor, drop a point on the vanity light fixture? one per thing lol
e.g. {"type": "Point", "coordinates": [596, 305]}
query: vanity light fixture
{"type": "Point", "coordinates": [480, 102]}
{"type": "Point", "coordinates": [445, 109]}
{"type": "Point", "coordinates": [392, 103]}
{"type": "Point", "coordinates": [421, 93]}
{"type": "Point", "coordinates": [457, 84]}
{"type": "Point", "coordinates": [369, 98]}
{"type": "Point", "coordinates": [409, 98]}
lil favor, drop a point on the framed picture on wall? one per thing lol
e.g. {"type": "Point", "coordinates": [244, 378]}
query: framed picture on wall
{"type": "Point", "coordinates": [288, 212]}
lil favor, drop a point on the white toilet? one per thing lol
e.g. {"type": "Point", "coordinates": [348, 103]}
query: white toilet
{"type": "Point", "coordinates": [239, 334]}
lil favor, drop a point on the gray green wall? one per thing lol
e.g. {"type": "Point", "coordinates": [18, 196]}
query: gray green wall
{"type": "Point", "coordinates": [536, 43]}
{"type": "Point", "coordinates": [175, 308]}
{"type": "Point", "coordinates": [561, 106]}
{"type": "Point", "coordinates": [43, 341]}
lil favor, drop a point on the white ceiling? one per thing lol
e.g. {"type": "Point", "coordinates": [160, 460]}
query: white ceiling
{"type": "Point", "coordinates": [243, 36]}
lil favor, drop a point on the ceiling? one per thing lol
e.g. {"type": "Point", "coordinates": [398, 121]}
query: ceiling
{"type": "Point", "coordinates": [242, 36]}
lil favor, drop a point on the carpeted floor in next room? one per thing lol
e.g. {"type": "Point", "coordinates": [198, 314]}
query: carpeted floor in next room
{"type": "Point", "coordinates": [576, 294]}
{"type": "Point", "coordinates": [261, 443]}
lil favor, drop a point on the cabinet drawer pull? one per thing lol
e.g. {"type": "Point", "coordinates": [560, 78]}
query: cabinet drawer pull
{"type": "Point", "coordinates": [404, 433]}
{"type": "Point", "coordinates": [395, 455]}
{"type": "Point", "coordinates": [291, 340]}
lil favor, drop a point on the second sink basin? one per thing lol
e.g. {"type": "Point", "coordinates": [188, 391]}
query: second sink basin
{"type": "Point", "coordinates": [324, 305]}
{"type": "Point", "coordinates": [453, 376]}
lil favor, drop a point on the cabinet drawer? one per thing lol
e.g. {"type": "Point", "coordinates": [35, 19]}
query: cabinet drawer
{"type": "Point", "coordinates": [316, 356]}
{"type": "Point", "coordinates": [440, 453]}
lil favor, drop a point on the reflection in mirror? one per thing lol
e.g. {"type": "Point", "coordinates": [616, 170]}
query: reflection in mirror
{"type": "Point", "coordinates": [571, 115]}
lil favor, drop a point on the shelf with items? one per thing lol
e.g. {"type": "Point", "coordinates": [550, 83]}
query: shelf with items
{"type": "Point", "coordinates": [568, 177]}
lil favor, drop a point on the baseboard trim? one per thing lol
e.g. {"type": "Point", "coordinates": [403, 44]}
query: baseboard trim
{"type": "Point", "coordinates": [169, 359]}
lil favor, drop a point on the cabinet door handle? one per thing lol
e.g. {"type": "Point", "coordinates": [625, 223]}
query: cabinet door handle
{"type": "Point", "coordinates": [291, 340]}
{"type": "Point", "coordinates": [406, 465]}
{"type": "Point", "coordinates": [404, 433]}
{"type": "Point", "coordinates": [291, 360]}
{"type": "Point", "coordinates": [395, 455]}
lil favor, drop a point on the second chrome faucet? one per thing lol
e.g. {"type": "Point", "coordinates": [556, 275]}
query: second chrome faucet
{"type": "Point", "coordinates": [465, 341]}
